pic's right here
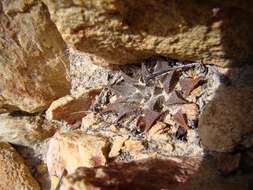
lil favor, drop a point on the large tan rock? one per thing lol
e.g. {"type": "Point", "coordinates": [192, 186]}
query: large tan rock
{"type": "Point", "coordinates": [14, 174]}
{"type": "Point", "coordinates": [218, 32]}
{"type": "Point", "coordinates": [25, 130]}
{"type": "Point", "coordinates": [32, 62]}
{"type": "Point", "coordinates": [71, 150]}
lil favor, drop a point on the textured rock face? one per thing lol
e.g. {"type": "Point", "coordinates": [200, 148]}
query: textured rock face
{"type": "Point", "coordinates": [25, 130]}
{"type": "Point", "coordinates": [32, 65]}
{"type": "Point", "coordinates": [13, 172]}
{"type": "Point", "coordinates": [227, 120]}
{"type": "Point", "coordinates": [75, 149]}
{"type": "Point", "coordinates": [212, 31]}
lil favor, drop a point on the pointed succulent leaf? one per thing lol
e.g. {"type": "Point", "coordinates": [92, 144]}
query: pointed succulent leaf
{"type": "Point", "coordinates": [180, 119]}
{"type": "Point", "coordinates": [175, 98]}
{"type": "Point", "coordinates": [188, 84]}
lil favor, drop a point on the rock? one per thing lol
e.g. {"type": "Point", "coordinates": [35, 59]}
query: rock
{"type": "Point", "coordinates": [89, 120]}
{"type": "Point", "coordinates": [208, 178]}
{"type": "Point", "coordinates": [228, 163]}
{"type": "Point", "coordinates": [155, 130]}
{"type": "Point", "coordinates": [72, 108]}
{"type": "Point", "coordinates": [13, 171]}
{"type": "Point", "coordinates": [144, 174]}
{"type": "Point", "coordinates": [134, 149]}
{"type": "Point", "coordinates": [33, 66]}
{"type": "Point", "coordinates": [134, 146]}
{"type": "Point", "coordinates": [54, 182]}
{"type": "Point", "coordinates": [117, 144]}
{"type": "Point", "coordinates": [25, 130]}
{"type": "Point", "coordinates": [71, 150]}
{"type": "Point", "coordinates": [124, 31]}
{"type": "Point", "coordinates": [191, 110]}
{"type": "Point", "coordinates": [226, 122]}
{"type": "Point", "coordinates": [247, 160]}
{"type": "Point", "coordinates": [125, 177]}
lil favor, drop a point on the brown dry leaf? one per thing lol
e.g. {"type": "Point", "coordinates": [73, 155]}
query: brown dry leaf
{"type": "Point", "coordinates": [180, 119]}
{"type": "Point", "coordinates": [150, 117]}
{"type": "Point", "coordinates": [168, 81]}
{"type": "Point", "coordinates": [188, 84]}
{"type": "Point", "coordinates": [120, 109]}
{"type": "Point", "coordinates": [175, 98]}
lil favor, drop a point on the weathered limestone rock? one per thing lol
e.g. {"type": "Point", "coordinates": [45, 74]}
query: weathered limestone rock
{"type": "Point", "coordinates": [72, 108]}
{"type": "Point", "coordinates": [218, 32]}
{"type": "Point", "coordinates": [14, 174]}
{"type": "Point", "coordinates": [71, 150]}
{"type": "Point", "coordinates": [227, 120]}
{"type": "Point", "coordinates": [24, 130]}
{"type": "Point", "coordinates": [32, 62]}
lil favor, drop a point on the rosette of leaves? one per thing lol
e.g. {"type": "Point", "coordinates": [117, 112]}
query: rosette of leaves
{"type": "Point", "coordinates": [146, 92]}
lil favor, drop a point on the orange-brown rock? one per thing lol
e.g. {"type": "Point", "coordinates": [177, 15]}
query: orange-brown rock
{"type": "Point", "coordinates": [72, 108]}
{"type": "Point", "coordinates": [120, 32]}
{"type": "Point", "coordinates": [14, 174]}
{"type": "Point", "coordinates": [32, 62]}
{"type": "Point", "coordinates": [71, 150]}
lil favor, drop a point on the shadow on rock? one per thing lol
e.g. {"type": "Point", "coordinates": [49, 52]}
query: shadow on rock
{"type": "Point", "coordinates": [144, 174]}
